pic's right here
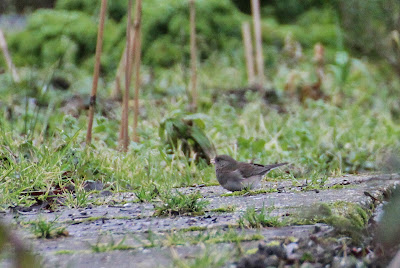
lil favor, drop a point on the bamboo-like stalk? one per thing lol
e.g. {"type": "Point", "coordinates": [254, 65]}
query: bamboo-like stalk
{"type": "Point", "coordinates": [319, 59]}
{"type": "Point", "coordinates": [124, 133]}
{"type": "Point", "coordinates": [193, 58]}
{"type": "Point", "coordinates": [7, 57]}
{"type": "Point", "coordinates": [255, 7]}
{"type": "Point", "coordinates": [96, 72]}
{"type": "Point", "coordinates": [117, 93]}
{"type": "Point", "coordinates": [137, 51]}
{"type": "Point", "coordinates": [248, 51]}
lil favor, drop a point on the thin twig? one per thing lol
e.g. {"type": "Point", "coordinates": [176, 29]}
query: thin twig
{"type": "Point", "coordinates": [248, 49]}
{"type": "Point", "coordinates": [255, 6]}
{"type": "Point", "coordinates": [96, 72]}
{"type": "Point", "coordinates": [193, 52]}
{"type": "Point", "coordinates": [124, 134]}
{"type": "Point", "coordinates": [117, 93]}
{"type": "Point", "coordinates": [10, 65]}
{"type": "Point", "coordinates": [138, 48]}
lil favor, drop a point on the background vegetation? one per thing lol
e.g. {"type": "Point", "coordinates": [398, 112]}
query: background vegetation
{"type": "Point", "coordinates": [355, 129]}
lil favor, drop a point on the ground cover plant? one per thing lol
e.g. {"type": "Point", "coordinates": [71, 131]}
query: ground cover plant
{"type": "Point", "coordinates": [44, 150]}
{"type": "Point", "coordinates": [328, 117]}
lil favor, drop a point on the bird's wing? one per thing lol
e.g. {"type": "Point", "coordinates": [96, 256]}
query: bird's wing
{"type": "Point", "coordinates": [248, 170]}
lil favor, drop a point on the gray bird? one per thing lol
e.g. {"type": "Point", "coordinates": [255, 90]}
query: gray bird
{"type": "Point", "coordinates": [236, 176]}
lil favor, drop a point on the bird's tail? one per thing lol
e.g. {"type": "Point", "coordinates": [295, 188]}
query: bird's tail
{"type": "Point", "coordinates": [273, 166]}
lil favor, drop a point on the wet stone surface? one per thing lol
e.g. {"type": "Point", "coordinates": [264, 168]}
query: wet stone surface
{"type": "Point", "coordinates": [147, 238]}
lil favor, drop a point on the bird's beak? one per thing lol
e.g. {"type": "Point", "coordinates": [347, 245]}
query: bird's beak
{"type": "Point", "coordinates": [212, 161]}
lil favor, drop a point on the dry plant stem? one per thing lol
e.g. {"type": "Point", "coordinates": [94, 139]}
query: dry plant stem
{"type": "Point", "coordinates": [124, 135]}
{"type": "Point", "coordinates": [10, 65]}
{"type": "Point", "coordinates": [117, 90]}
{"type": "Point", "coordinates": [319, 59]}
{"type": "Point", "coordinates": [193, 52]}
{"type": "Point", "coordinates": [117, 93]}
{"type": "Point", "coordinates": [138, 48]}
{"type": "Point", "coordinates": [255, 7]}
{"type": "Point", "coordinates": [96, 72]}
{"type": "Point", "coordinates": [248, 49]}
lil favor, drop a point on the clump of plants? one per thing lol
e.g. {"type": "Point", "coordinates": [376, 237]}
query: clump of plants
{"type": "Point", "coordinates": [110, 246]}
{"type": "Point", "coordinates": [187, 132]}
{"type": "Point", "coordinates": [253, 219]}
{"type": "Point", "coordinates": [144, 194]}
{"type": "Point", "coordinates": [181, 204]}
{"type": "Point", "coordinates": [346, 218]}
{"type": "Point", "coordinates": [48, 229]}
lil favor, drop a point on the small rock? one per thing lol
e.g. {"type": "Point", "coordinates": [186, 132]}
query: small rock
{"type": "Point", "coordinates": [291, 248]}
{"type": "Point", "coordinates": [271, 261]}
{"type": "Point", "coordinates": [90, 185]}
{"type": "Point", "coordinates": [106, 193]}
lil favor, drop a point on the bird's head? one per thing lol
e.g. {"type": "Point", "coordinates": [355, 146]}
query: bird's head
{"type": "Point", "coordinates": [221, 161]}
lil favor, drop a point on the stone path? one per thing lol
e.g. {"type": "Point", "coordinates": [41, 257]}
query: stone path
{"type": "Point", "coordinates": [134, 224]}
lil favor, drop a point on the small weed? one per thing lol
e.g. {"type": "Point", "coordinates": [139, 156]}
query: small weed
{"type": "Point", "coordinates": [251, 192]}
{"type": "Point", "coordinates": [146, 195]}
{"type": "Point", "coordinates": [64, 252]}
{"type": "Point", "coordinates": [345, 217]}
{"type": "Point", "coordinates": [47, 229]}
{"type": "Point", "coordinates": [193, 229]}
{"type": "Point", "coordinates": [111, 245]}
{"type": "Point", "coordinates": [207, 259]}
{"type": "Point", "coordinates": [252, 219]}
{"type": "Point", "coordinates": [79, 199]}
{"type": "Point", "coordinates": [197, 236]}
{"type": "Point", "coordinates": [181, 204]}
{"type": "Point", "coordinates": [307, 257]}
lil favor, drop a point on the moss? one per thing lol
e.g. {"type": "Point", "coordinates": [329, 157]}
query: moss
{"type": "Point", "coordinates": [193, 228]}
{"type": "Point", "coordinates": [251, 192]}
{"type": "Point", "coordinates": [345, 217]}
{"type": "Point", "coordinates": [65, 252]}
{"type": "Point", "coordinates": [95, 218]}
{"type": "Point", "coordinates": [224, 209]}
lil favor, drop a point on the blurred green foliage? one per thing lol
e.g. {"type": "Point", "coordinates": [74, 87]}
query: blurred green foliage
{"type": "Point", "coordinates": [116, 9]}
{"type": "Point", "coordinates": [69, 32]}
{"type": "Point", "coordinates": [166, 29]}
{"type": "Point", "coordinates": [59, 35]}
{"type": "Point", "coordinates": [305, 30]}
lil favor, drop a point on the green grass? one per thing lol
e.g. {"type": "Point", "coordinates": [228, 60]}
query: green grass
{"type": "Point", "coordinates": [64, 252]}
{"type": "Point", "coordinates": [206, 259]}
{"type": "Point", "coordinates": [253, 219]}
{"type": "Point", "coordinates": [228, 208]}
{"type": "Point", "coordinates": [350, 133]}
{"type": "Point", "coordinates": [346, 218]}
{"type": "Point", "coordinates": [250, 192]}
{"type": "Point", "coordinates": [195, 236]}
{"type": "Point", "coordinates": [180, 204]}
{"type": "Point", "coordinates": [146, 195]}
{"type": "Point", "coordinates": [47, 229]}
{"type": "Point", "coordinates": [110, 246]}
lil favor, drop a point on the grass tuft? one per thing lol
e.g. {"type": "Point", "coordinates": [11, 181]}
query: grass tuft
{"type": "Point", "coordinates": [47, 229]}
{"type": "Point", "coordinates": [253, 219]}
{"type": "Point", "coordinates": [181, 204]}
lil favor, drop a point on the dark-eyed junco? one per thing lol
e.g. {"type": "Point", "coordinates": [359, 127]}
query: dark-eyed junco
{"type": "Point", "coordinates": [236, 176]}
